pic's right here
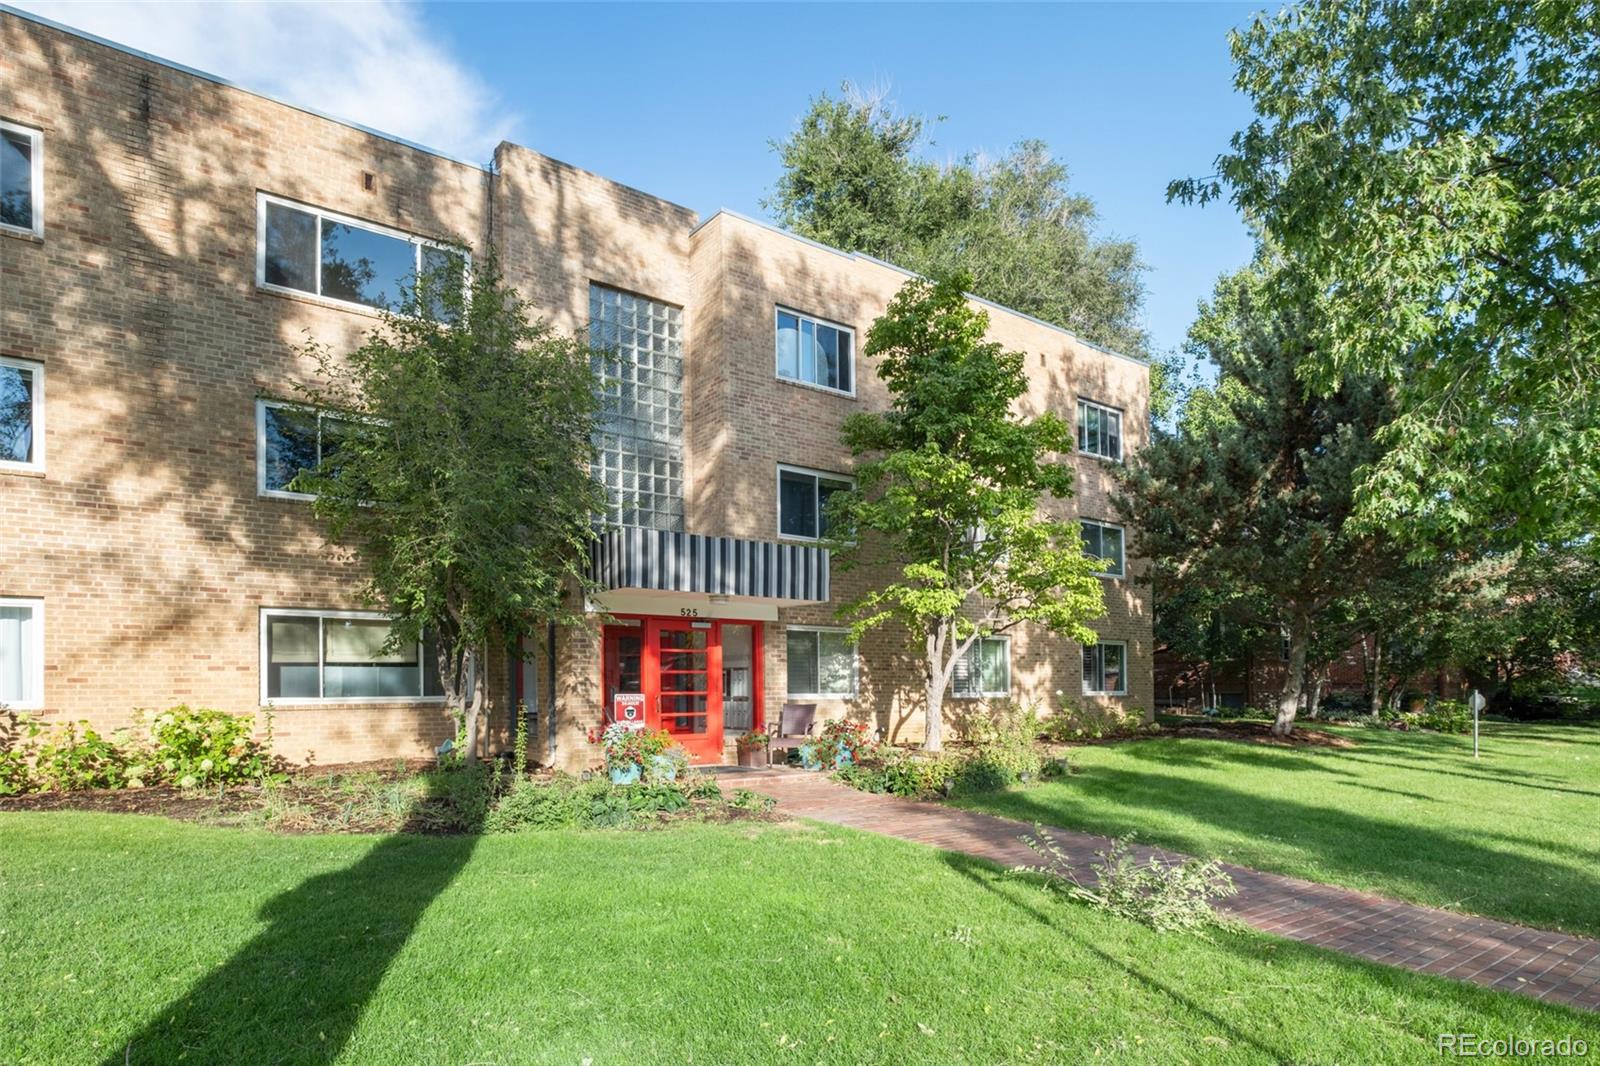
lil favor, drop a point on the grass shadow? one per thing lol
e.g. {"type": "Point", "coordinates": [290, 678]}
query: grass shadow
{"type": "Point", "coordinates": [1414, 859]}
{"type": "Point", "coordinates": [990, 878]}
{"type": "Point", "coordinates": [295, 992]}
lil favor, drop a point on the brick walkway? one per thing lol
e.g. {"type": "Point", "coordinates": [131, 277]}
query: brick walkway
{"type": "Point", "coordinates": [1553, 967]}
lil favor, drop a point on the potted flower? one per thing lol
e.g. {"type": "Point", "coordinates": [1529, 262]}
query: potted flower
{"type": "Point", "coordinates": [629, 751]}
{"type": "Point", "coordinates": [752, 748]}
{"type": "Point", "coordinates": [844, 741]}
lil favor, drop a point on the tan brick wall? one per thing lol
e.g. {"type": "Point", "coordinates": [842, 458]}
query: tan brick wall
{"type": "Point", "coordinates": [146, 537]}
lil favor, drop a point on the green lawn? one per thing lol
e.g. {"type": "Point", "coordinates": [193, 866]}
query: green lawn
{"type": "Point", "coordinates": [1515, 834]}
{"type": "Point", "coordinates": [713, 944]}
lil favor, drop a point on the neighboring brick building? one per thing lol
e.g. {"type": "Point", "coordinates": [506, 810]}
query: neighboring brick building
{"type": "Point", "coordinates": [168, 240]}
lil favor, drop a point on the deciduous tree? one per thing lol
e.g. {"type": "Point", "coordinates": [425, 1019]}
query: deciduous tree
{"type": "Point", "coordinates": [951, 493]}
{"type": "Point", "coordinates": [464, 487]}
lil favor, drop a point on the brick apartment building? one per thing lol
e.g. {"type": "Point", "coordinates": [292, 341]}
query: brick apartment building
{"type": "Point", "coordinates": [166, 243]}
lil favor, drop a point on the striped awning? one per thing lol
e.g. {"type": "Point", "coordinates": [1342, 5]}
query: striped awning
{"type": "Point", "coordinates": [660, 560]}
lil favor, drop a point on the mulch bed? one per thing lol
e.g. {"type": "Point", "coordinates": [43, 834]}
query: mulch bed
{"type": "Point", "coordinates": [1260, 733]}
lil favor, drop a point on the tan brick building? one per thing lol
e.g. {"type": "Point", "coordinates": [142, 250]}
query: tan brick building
{"type": "Point", "coordinates": [166, 243]}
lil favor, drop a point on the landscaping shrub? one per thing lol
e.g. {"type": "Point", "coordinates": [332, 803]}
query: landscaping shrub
{"type": "Point", "coordinates": [68, 760]}
{"type": "Point", "coordinates": [561, 801]}
{"type": "Point", "coordinates": [1173, 897]}
{"type": "Point", "coordinates": [1094, 722]}
{"type": "Point", "coordinates": [457, 799]}
{"type": "Point", "coordinates": [194, 747]}
{"type": "Point", "coordinates": [1445, 716]}
{"type": "Point", "coordinates": [1004, 749]}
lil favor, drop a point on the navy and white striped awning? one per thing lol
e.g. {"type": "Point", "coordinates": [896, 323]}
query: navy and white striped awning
{"type": "Point", "coordinates": [664, 561]}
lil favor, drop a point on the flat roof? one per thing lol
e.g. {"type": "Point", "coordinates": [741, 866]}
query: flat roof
{"type": "Point", "coordinates": [864, 258]}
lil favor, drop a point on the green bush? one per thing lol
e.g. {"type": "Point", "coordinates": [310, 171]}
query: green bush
{"type": "Point", "coordinates": [196, 746]}
{"type": "Point", "coordinates": [1093, 722]}
{"type": "Point", "coordinates": [1004, 748]}
{"type": "Point", "coordinates": [532, 804]}
{"type": "Point", "coordinates": [1170, 896]}
{"type": "Point", "coordinates": [1445, 716]}
{"type": "Point", "coordinates": [69, 760]}
{"type": "Point", "coordinates": [16, 758]}
{"type": "Point", "coordinates": [457, 798]}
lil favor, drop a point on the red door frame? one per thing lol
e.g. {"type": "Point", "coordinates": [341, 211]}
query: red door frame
{"type": "Point", "coordinates": [649, 628]}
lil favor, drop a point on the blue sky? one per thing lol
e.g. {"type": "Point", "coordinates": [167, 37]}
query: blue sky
{"type": "Point", "coordinates": [681, 100]}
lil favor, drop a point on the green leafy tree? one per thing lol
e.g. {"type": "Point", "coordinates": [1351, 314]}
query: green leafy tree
{"type": "Point", "coordinates": [855, 177]}
{"type": "Point", "coordinates": [952, 493]}
{"type": "Point", "coordinates": [1430, 169]}
{"type": "Point", "coordinates": [463, 485]}
{"type": "Point", "coordinates": [1245, 509]}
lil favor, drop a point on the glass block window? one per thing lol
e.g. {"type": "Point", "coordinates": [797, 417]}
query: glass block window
{"type": "Point", "coordinates": [639, 363]}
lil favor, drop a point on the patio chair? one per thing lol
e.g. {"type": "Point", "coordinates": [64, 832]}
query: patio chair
{"type": "Point", "coordinates": [794, 727]}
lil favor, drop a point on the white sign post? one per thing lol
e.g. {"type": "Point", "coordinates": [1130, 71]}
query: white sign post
{"type": "Point", "coordinates": [1476, 702]}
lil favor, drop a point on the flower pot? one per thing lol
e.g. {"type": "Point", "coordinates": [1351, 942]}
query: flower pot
{"type": "Point", "coordinates": [752, 757]}
{"type": "Point", "coordinates": [809, 757]}
{"type": "Point", "coordinates": [626, 774]}
{"type": "Point", "coordinates": [663, 768]}
{"type": "Point", "coordinates": [843, 759]}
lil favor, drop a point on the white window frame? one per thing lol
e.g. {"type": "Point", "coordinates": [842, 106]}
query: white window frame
{"type": "Point", "coordinates": [855, 665]}
{"type": "Point", "coordinates": [1123, 691]}
{"type": "Point", "coordinates": [418, 243]}
{"type": "Point", "coordinates": [36, 605]}
{"type": "Point", "coordinates": [781, 309]}
{"type": "Point", "coordinates": [36, 137]}
{"type": "Point", "coordinates": [268, 613]}
{"type": "Point", "coordinates": [1104, 409]}
{"type": "Point", "coordinates": [817, 475]}
{"type": "Point", "coordinates": [987, 694]}
{"type": "Point", "coordinates": [262, 404]}
{"type": "Point", "coordinates": [36, 464]}
{"type": "Point", "coordinates": [1122, 562]}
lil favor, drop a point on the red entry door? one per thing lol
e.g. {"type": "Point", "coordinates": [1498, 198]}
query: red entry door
{"type": "Point", "coordinates": [683, 684]}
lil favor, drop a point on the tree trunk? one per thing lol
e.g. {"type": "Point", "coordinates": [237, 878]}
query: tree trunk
{"type": "Point", "coordinates": [933, 684]}
{"type": "Point", "coordinates": [1293, 678]}
{"type": "Point", "coordinates": [475, 666]}
{"type": "Point", "coordinates": [1375, 694]}
{"type": "Point", "coordinates": [1315, 705]}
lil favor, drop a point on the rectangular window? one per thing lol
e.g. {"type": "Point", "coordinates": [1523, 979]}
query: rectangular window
{"type": "Point", "coordinates": [21, 179]}
{"type": "Point", "coordinates": [21, 415]}
{"type": "Point", "coordinates": [291, 438]}
{"type": "Point", "coordinates": [342, 655]}
{"type": "Point", "coordinates": [1105, 669]}
{"type": "Point", "coordinates": [822, 662]}
{"type": "Point", "coordinates": [303, 249]}
{"type": "Point", "coordinates": [815, 352]}
{"type": "Point", "coordinates": [985, 670]}
{"type": "Point", "coordinates": [1104, 541]}
{"type": "Point", "coordinates": [803, 501]}
{"type": "Point", "coordinates": [21, 654]}
{"type": "Point", "coordinates": [1099, 430]}
{"type": "Point", "coordinates": [638, 362]}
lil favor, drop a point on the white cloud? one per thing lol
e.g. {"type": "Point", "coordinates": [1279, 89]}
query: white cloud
{"type": "Point", "coordinates": [371, 62]}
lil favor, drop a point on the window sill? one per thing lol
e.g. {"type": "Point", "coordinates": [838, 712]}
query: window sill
{"type": "Point", "coordinates": [980, 696]}
{"type": "Point", "coordinates": [274, 494]}
{"type": "Point", "coordinates": [312, 298]}
{"type": "Point", "coordinates": [31, 236]}
{"type": "Point", "coordinates": [1106, 695]}
{"type": "Point", "coordinates": [814, 387]}
{"type": "Point", "coordinates": [22, 470]}
{"type": "Point", "coordinates": [792, 696]}
{"type": "Point", "coordinates": [1108, 460]}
